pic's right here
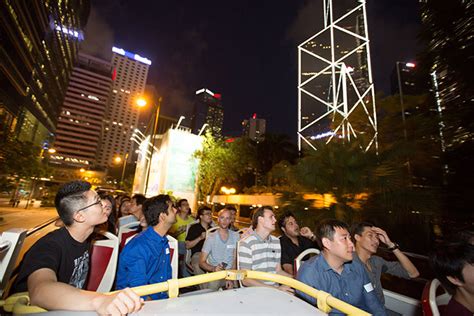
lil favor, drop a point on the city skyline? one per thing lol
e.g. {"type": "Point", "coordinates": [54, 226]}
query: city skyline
{"type": "Point", "coordinates": [253, 63]}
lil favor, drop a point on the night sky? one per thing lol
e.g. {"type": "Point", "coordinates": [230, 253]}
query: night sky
{"type": "Point", "coordinates": [245, 50]}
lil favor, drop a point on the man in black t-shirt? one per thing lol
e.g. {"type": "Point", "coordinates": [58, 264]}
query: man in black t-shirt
{"type": "Point", "coordinates": [55, 268]}
{"type": "Point", "coordinates": [294, 241]}
{"type": "Point", "coordinates": [196, 236]}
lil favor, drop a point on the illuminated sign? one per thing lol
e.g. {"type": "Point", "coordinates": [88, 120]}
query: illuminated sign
{"type": "Point", "coordinates": [74, 33]}
{"type": "Point", "coordinates": [133, 56]}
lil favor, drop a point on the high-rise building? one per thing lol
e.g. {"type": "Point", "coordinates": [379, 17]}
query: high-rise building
{"type": "Point", "coordinates": [335, 79]}
{"type": "Point", "coordinates": [208, 110]}
{"type": "Point", "coordinates": [38, 47]}
{"type": "Point", "coordinates": [254, 128]}
{"type": "Point", "coordinates": [130, 75]}
{"type": "Point", "coordinates": [406, 76]}
{"type": "Point", "coordinates": [447, 32]}
{"type": "Point", "coordinates": [79, 128]}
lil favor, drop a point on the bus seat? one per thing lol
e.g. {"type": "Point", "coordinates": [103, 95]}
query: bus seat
{"type": "Point", "coordinates": [210, 230]}
{"type": "Point", "coordinates": [11, 242]}
{"type": "Point", "coordinates": [187, 259]}
{"type": "Point", "coordinates": [173, 256]}
{"type": "Point", "coordinates": [103, 263]}
{"type": "Point", "coordinates": [126, 231]}
{"type": "Point", "coordinates": [430, 302]}
{"type": "Point", "coordinates": [299, 259]}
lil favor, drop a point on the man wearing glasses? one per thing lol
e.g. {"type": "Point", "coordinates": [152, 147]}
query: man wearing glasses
{"type": "Point", "coordinates": [54, 271]}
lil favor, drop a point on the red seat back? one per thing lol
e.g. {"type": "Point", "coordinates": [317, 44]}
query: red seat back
{"type": "Point", "coordinates": [100, 257]}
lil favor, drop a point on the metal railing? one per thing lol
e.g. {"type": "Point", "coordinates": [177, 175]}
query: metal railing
{"type": "Point", "coordinates": [18, 303]}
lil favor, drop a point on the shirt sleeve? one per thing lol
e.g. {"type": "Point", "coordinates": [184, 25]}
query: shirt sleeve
{"type": "Point", "coordinates": [135, 267]}
{"type": "Point", "coordinates": [285, 256]}
{"type": "Point", "coordinates": [305, 276]}
{"type": "Point", "coordinates": [42, 255]}
{"type": "Point", "coordinates": [394, 268]}
{"type": "Point", "coordinates": [244, 255]}
{"type": "Point", "coordinates": [208, 244]}
{"type": "Point", "coordinates": [192, 233]}
{"type": "Point", "coordinates": [374, 306]}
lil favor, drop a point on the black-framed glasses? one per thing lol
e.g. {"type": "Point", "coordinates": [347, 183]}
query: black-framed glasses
{"type": "Point", "coordinates": [99, 201]}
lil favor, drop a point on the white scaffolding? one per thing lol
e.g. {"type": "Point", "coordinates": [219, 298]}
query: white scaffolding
{"type": "Point", "coordinates": [336, 97]}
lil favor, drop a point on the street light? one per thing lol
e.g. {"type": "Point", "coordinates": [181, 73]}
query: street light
{"type": "Point", "coordinates": [118, 160]}
{"type": "Point", "coordinates": [202, 128]}
{"type": "Point", "coordinates": [141, 102]}
{"type": "Point", "coordinates": [400, 92]}
{"type": "Point", "coordinates": [181, 118]}
{"type": "Point", "coordinates": [402, 105]}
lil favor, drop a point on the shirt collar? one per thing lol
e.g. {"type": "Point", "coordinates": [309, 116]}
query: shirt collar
{"type": "Point", "coordinates": [326, 267]}
{"type": "Point", "coordinates": [153, 235]}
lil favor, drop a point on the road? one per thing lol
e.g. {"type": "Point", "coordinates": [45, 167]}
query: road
{"type": "Point", "coordinates": [20, 218]}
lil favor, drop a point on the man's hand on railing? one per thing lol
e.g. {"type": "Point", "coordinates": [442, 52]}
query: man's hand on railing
{"type": "Point", "coordinates": [287, 289]}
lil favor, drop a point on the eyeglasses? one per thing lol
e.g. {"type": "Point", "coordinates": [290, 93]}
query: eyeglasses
{"type": "Point", "coordinates": [206, 214]}
{"type": "Point", "coordinates": [99, 201]}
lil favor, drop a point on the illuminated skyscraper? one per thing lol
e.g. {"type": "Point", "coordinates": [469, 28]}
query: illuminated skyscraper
{"type": "Point", "coordinates": [80, 122]}
{"type": "Point", "coordinates": [208, 110]}
{"type": "Point", "coordinates": [38, 47]}
{"type": "Point", "coordinates": [335, 79]}
{"type": "Point", "coordinates": [130, 74]}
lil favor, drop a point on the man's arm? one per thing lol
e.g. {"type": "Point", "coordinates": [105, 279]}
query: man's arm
{"type": "Point", "coordinates": [206, 266]}
{"type": "Point", "coordinates": [281, 271]}
{"type": "Point", "coordinates": [402, 258]}
{"type": "Point", "coordinates": [288, 268]}
{"type": "Point", "coordinates": [44, 291]}
{"type": "Point", "coordinates": [191, 243]}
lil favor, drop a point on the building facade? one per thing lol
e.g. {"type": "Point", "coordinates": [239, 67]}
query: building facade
{"type": "Point", "coordinates": [208, 109]}
{"type": "Point", "coordinates": [79, 128]}
{"type": "Point", "coordinates": [254, 128]}
{"type": "Point", "coordinates": [122, 116]}
{"type": "Point", "coordinates": [38, 47]}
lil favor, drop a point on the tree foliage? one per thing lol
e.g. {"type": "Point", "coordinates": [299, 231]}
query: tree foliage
{"type": "Point", "coordinates": [222, 162]}
{"type": "Point", "coordinates": [20, 160]}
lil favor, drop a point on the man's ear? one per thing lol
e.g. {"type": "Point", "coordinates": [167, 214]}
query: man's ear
{"type": "Point", "coordinates": [79, 217]}
{"type": "Point", "coordinates": [326, 243]}
{"type": "Point", "coordinates": [455, 281]}
{"type": "Point", "coordinates": [357, 237]}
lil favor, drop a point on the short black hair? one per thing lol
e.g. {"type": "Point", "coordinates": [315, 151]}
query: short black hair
{"type": "Point", "coordinates": [139, 199]}
{"type": "Point", "coordinates": [449, 259]}
{"type": "Point", "coordinates": [326, 229]}
{"type": "Point", "coordinates": [178, 204]}
{"type": "Point", "coordinates": [201, 211]}
{"type": "Point", "coordinates": [154, 206]}
{"type": "Point", "coordinates": [112, 219]}
{"type": "Point", "coordinates": [358, 228]}
{"type": "Point", "coordinates": [282, 219]}
{"type": "Point", "coordinates": [259, 213]}
{"type": "Point", "coordinates": [70, 198]}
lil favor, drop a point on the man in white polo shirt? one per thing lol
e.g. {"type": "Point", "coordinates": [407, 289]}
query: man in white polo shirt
{"type": "Point", "coordinates": [260, 251]}
{"type": "Point", "coordinates": [219, 250]}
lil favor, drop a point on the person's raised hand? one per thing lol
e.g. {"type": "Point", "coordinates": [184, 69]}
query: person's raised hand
{"type": "Point", "coordinates": [383, 237]}
{"type": "Point", "coordinates": [306, 232]}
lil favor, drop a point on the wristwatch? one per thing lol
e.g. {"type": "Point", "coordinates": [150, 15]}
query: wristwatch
{"type": "Point", "coordinates": [394, 247]}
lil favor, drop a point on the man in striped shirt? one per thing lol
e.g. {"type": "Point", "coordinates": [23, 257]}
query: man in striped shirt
{"type": "Point", "coordinates": [260, 251]}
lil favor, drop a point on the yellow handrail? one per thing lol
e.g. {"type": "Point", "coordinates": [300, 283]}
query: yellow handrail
{"type": "Point", "coordinates": [325, 301]}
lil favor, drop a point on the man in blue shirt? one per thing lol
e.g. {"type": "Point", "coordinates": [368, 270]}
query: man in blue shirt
{"type": "Point", "coordinates": [335, 273]}
{"type": "Point", "coordinates": [146, 258]}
